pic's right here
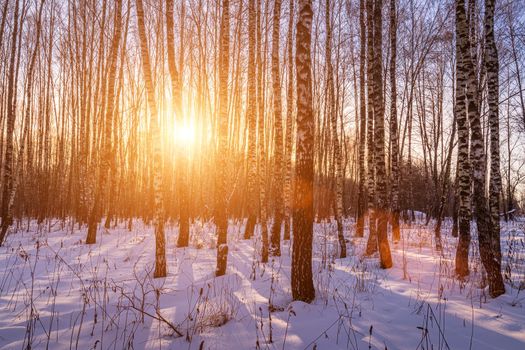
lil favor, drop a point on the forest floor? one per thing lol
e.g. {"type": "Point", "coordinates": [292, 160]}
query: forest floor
{"type": "Point", "coordinates": [58, 293]}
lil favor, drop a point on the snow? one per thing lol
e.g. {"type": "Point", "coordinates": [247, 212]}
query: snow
{"type": "Point", "coordinates": [58, 293]}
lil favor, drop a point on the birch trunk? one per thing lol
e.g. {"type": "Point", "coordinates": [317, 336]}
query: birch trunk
{"type": "Point", "coordinates": [160, 239]}
{"type": "Point", "coordinates": [362, 196]}
{"type": "Point", "coordinates": [394, 142]}
{"type": "Point", "coordinates": [221, 216]}
{"type": "Point", "coordinates": [460, 110]}
{"type": "Point", "coordinates": [303, 211]}
{"type": "Point", "coordinates": [275, 238]}
{"type": "Point", "coordinates": [493, 264]}
{"type": "Point", "coordinates": [11, 116]}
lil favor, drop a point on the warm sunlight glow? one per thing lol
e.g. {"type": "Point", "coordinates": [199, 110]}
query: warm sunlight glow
{"type": "Point", "coordinates": [283, 164]}
{"type": "Point", "coordinates": [183, 134]}
{"type": "Point", "coordinates": [180, 135]}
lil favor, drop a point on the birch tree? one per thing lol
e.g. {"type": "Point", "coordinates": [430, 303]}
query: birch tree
{"type": "Point", "coordinates": [394, 142]}
{"type": "Point", "coordinates": [107, 151]}
{"type": "Point", "coordinates": [460, 110]}
{"type": "Point", "coordinates": [288, 143]}
{"type": "Point", "coordinates": [492, 242]}
{"type": "Point", "coordinates": [176, 87]}
{"type": "Point", "coordinates": [251, 119]}
{"type": "Point", "coordinates": [381, 204]}
{"type": "Point", "coordinates": [275, 247]}
{"type": "Point", "coordinates": [362, 195]}
{"type": "Point", "coordinates": [221, 201]}
{"type": "Point", "coordinates": [332, 114]}
{"type": "Point", "coordinates": [303, 211]}
{"type": "Point", "coordinates": [160, 239]}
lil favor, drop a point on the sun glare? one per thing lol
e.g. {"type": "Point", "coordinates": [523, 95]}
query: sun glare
{"type": "Point", "coordinates": [183, 134]}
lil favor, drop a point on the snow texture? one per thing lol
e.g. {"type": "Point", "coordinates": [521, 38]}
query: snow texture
{"type": "Point", "coordinates": [58, 293]}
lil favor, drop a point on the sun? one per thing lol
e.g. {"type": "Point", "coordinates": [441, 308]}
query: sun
{"type": "Point", "coordinates": [182, 134]}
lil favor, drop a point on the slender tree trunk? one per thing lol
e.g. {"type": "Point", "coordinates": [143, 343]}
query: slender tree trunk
{"type": "Point", "coordinates": [362, 197]}
{"type": "Point", "coordinates": [261, 144]}
{"type": "Point", "coordinates": [289, 127]}
{"type": "Point", "coordinates": [11, 116]}
{"type": "Point", "coordinates": [445, 187]}
{"type": "Point", "coordinates": [493, 264]}
{"type": "Point", "coordinates": [394, 142]}
{"type": "Point", "coordinates": [332, 114]}
{"type": "Point", "coordinates": [251, 118]}
{"type": "Point", "coordinates": [515, 58]}
{"type": "Point", "coordinates": [460, 110]}
{"type": "Point", "coordinates": [107, 151]}
{"type": "Point", "coordinates": [176, 88]}
{"type": "Point", "coordinates": [455, 205]}
{"type": "Point", "coordinates": [303, 211]}
{"type": "Point", "coordinates": [371, 246]}
{"type": "Point", "coordinates": [160, 239]}
{"type": "Point", "coordinates": [477, 154]}
{"type": "Point", "coordinates": [221, 204]}
{"type": "Point", "coordinates": [275, 238]}
{"type": "Point", "coordinates": [381, 203]}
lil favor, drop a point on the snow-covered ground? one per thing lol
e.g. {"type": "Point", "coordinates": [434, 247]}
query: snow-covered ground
{"type": "Point", "coordinates": [58, 293]}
